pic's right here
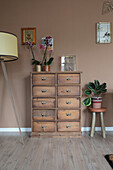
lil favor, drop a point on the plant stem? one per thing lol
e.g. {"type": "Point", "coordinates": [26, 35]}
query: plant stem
{"type": "Point", "coordinates": [44, 55]}
{"type": "Point", "coordinates": [32, 53]}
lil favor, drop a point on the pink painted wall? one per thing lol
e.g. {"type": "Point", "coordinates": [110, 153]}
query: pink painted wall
{"type": "Point", "coordinates": [72, 24]}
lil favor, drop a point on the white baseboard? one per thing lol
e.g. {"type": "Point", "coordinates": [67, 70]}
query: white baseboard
{"type": "Point", "coordinates": [83, 129]}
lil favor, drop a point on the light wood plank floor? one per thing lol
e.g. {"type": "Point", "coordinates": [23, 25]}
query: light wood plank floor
{"type": "Point", "coordinates": [84, 153]}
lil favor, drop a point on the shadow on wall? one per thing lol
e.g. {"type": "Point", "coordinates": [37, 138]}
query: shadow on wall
{"type": "Point", "coordinates": [107, 101]}
{"type": "Point", "coordinates": [28, 101]}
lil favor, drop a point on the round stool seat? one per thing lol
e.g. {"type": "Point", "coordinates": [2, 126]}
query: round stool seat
{"type": "Point", "coordinates": [103, 109]}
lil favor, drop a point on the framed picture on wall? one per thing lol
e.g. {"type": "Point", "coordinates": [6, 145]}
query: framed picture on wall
{"type": "Point", "coordinates": [103, 32]}
{"type": "Point", "coordinates": [28, 34]}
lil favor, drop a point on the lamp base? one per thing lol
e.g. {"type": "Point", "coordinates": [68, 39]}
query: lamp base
{"type": "Point", "coordinates": [11, 97]}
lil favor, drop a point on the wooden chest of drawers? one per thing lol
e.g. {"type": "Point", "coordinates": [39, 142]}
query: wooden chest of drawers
{"type": "Point", "coordinates": [56, 104]}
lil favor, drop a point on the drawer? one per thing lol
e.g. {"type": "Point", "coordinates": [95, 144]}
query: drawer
{"type": "Point", "coordinates": [43, 103]}
{"type": "Point", "coordinates": [43, 91]}
{"type": "Point", "coordinates": [68, 102]}
{"type": "Point", "coordinates": [68, 115]}
{"type": "Point", "coordinates": [68, 126]}
{"type": "Point", "coordinates": [44, 115]}
{"type": "Point", "coordinates": [43, 79]}
{"type": "Point", "coordinates": [68, 90]}
{"type": "Point", "coordinates": [43, 126]}
{"type": "Point", "coordinates": [68, 78]}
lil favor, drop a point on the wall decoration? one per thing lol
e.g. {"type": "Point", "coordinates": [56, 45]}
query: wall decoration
{"type": "Point", "coordinates": [28, 35]}
{"type": "Point", "coordinates": [107, 7]}
{"type": "Point", "coordinates": [68, 63]}
{"type": "Point", "coordinates": [103, 32]}
{"type": "Point", "coordinates": [50, 45]}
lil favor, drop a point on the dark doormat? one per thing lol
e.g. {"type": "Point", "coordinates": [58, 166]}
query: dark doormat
{"type": "Point", "coordinates": [109, 158]}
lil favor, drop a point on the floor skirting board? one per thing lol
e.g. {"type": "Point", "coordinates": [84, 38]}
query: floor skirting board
{"type": "Point", "coordinates": [83, 129]}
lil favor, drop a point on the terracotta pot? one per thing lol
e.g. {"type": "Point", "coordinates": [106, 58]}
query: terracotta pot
{"type": "Point", "coordinates": [46, 68]}
{"type": "Point", "coordinates": [96, 102]}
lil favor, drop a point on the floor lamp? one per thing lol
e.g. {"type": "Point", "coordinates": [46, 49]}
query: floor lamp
{"type": "Point", "coordinates": [9, 52]}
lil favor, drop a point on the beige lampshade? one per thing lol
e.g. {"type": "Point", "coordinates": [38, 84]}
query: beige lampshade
{"type": "Point", "coordinates": [8, 46]}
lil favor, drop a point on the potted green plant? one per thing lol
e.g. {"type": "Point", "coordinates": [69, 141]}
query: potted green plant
{"type": "Point", "coordinates": [34, 61]}
{"type": "Point", "coordinates": [94, 92]}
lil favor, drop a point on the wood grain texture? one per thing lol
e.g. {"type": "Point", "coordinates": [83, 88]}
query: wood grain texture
{"type": "Point", "coordinates": [68, 78]}
{"type": "Point", "coordinates": [43, 79]}
{"type": "Point", "coordinates": [43, 115]}
{"type": "Point", "coordinates": [43, 126]}
{"type": "Point", "coordinates": [68, 114]}
{"type": "Point", "coordinates": [43, 103]}
{"type": "Point", "coordinates": [43, 91]}
{"type": "Point", "coordinates": [84, 153]}
{"type": "Point", "coordinates": [68, 103]}
{"type": "Point", "coordinates": [68, 90]}
{"type": "Point", "coordinates": [68, 126]}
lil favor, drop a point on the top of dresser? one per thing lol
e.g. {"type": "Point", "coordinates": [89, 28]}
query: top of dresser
{"type": "Point", "coordinates": [60, 72]}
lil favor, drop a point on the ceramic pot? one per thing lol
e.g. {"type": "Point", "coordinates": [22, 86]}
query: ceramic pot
{"type": "Point", "coordinates": [46, 68]}
{"type": "Point", "coordinates": [38, 68]}
{"type": "Point", "coordinates": [96, 102]}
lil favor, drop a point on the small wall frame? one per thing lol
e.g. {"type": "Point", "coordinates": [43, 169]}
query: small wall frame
{"type": "Point", "coordinates": [28, 34]}
{"type": "Point", "coordinates": [103, 33]}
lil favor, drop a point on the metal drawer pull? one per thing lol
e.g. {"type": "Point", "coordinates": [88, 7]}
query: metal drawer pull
{"type": "Point", "coordinates": [68, 90]}
{"type": "Point", "coordinates": [43, 127]}
{"type": "Point", "coordinates": [68, 126]}
{"type": "Point", "coordinates": [43, 102]}
{"type": "Point", "coordinates": [68, 102]}
{"type": "Point", "coordinates": [43, 115]}
{"type": "Point", "coordinates": [43, 91]}
{"type": "Point", "coordinates": [43, 78]}
{"type": "Point", "coordinates": [68, 78]}
{"type": "Point", "coordinates": [68, 114]}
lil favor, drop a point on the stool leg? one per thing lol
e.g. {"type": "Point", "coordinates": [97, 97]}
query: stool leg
{"type": "Point", "coordinates": [102, 125]}
{"type": "Point", "coordinates": [93, 124]}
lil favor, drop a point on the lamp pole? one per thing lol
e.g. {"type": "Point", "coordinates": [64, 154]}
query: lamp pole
{"type": "Point", "coordinates": [11, 97]}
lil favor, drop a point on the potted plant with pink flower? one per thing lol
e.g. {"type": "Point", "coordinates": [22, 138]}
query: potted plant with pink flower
{"type": "Point", "coordinates": [46, 61]}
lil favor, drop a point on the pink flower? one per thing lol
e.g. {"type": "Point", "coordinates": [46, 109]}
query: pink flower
{"type": "Point", "coordinates": [42, 47]}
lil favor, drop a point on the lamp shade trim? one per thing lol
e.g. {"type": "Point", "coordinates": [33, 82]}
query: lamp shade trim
{"type": "Point", "coordinates": [8, 33]}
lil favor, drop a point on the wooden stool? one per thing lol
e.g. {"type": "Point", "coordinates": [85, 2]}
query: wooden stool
{"type": "Point", "coordinates": [101, 110]}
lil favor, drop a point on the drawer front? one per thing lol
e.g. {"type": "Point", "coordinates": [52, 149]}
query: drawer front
{"type": "Point", "coordinates": [68, 90]}
{"type": "Point", "coordinates": [43, 115]}
{"type": "Point", "coordinates": [68, 126]}
{"type": "Point", "coordinates": [43, 79]}
{"type": "Point", "coordinates": [43, 103]}
{"type": "Point", "coordinates": [68, 102]}
{"type": "Point", "coordinates": [43, 91]}
{"type": "Point", "coordinates": [43, 126]}
{"type": "Point", "coordinates": [68, 115]}
{"type": "Point", "coordinates": [68, 78]}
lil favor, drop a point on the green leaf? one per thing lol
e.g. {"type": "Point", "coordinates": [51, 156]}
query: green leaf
{"type": "Point", "coordinates": [103, 91]}
{"type": "Point", "coordinates": [98, 92]}
{"type": "Point", "coordinates": [103, 86]}
{"type": "Point", "coordinates": [91, 86]}
{"type": "Point", "coordinates": [36, 62]}
{"type": "Point", "coordinates": [97, 84]}
{"type": "Point", "coordinates": [87, 101]}
{"type": "Point", "coordinates": [50, 61]}
{"type": "Point", "coordinates": [87, 92]}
